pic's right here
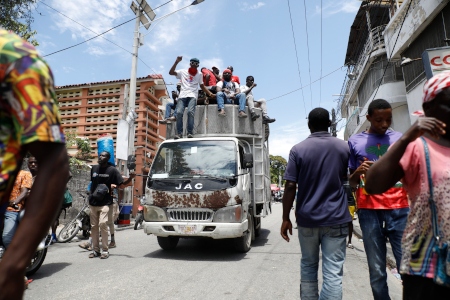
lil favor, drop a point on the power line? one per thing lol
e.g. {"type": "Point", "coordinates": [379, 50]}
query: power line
{"type": "Point", "coordinates": [67, 48]}
{"type": "Point", "coordinates": [298, 64]}
{"type": "Point", "coordinates": [301, 88]}
{"type": "Point", "coordinates": [307, 46]}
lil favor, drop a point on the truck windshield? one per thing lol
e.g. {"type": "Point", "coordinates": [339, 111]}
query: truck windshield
{"type": "Point", "coordinates": [193, 159]}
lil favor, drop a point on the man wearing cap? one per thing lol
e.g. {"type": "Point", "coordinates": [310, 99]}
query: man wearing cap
{"type": "Point", "coordinates": [171, 106]}
{"type": "Point", "coordinates": [229, 92]}
{"type": "Point", "coordinates": [190, 79]}
{"type": "Point", "coordinates": [234, 78]}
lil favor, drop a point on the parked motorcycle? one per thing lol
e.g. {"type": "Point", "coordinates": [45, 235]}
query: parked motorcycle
{"type": "Point", "coordinates": [140, 213]}
{"type": "Point", "coordinates": [38, 257]}
{"type": "Point", "coordinates": [81, 221]}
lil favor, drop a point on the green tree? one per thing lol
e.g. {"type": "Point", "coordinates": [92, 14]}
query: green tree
{"type": "Point", "coordinates": [15, 15]}
{"type": "Point", "coordinates": [83, 153]}
{"type": "Point", "coordinates": [277, 166]}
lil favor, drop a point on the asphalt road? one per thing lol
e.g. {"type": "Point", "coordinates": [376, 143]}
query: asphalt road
{"type": "Point", "coordinates": [196, 269]}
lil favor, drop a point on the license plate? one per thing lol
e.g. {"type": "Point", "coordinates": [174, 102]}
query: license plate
{"type": "Point", "coordinates": [188, 229]}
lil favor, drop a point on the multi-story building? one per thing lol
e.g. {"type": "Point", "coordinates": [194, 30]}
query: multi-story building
{"type": "Point", "coordinates": [384, 32]}
{"type": "Point", "coordinates": [93, 109]}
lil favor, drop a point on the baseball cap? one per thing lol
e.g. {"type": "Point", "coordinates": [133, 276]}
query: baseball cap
{"type": "Point", "coordinates": [227, 71]}
{"type": "Point", "coordinates": [195, 59]}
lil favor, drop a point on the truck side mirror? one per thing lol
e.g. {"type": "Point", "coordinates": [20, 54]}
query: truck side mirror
{"type": "Point", "coordinates": [131, 162]}
{"type": "Point", "coordinates": [248, 160]}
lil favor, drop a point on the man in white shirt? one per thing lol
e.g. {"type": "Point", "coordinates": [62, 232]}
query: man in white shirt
{"type": "Point", "coordinates": [190, 79]}
{"type": "Point", "coordinates": [252, 103]}
{"type": "Point", "coordinates": [228, 92]}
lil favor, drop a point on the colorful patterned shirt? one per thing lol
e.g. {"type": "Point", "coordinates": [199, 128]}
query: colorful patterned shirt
{"type": "Point", "coordinates": [418, 242]}
{"type": "Point", "coordinates": [28, 107]}
{"type": "Point", "coordinates": [23, 180]}
{"type": "Point", "coordinates": [367, 146]}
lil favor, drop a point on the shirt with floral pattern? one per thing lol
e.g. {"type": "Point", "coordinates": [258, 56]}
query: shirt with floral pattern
{"type": "Point", "coordinates": [28, 106]}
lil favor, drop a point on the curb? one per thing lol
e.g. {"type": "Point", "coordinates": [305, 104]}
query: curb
{"type": "Point", "coordinates": [390, 260]}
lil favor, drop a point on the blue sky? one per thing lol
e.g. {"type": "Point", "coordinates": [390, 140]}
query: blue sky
{"type": "Point", "coordinates": [255, 37]}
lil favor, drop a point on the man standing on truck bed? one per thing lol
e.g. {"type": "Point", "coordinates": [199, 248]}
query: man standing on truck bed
{"type": "Point", "coordinates": [190, 79]}
{"type": "Point", "coordinates": [321, 209]}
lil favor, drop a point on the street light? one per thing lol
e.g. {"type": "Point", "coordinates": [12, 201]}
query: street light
{"type": "Point", "coordinates": [142, 11]}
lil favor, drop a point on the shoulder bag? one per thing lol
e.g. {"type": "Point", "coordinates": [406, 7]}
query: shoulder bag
{"type": "Point", "coordinates": [442, 268]}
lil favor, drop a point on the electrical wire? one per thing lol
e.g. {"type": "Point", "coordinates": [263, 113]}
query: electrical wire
{"type": "Point", "coordinates": [301, 88]}
{"type": "Point", "coordinates": [307, 47]}
{"type": "Point", "coordinates": [98, 35]}
{"type": "Point", "coordinates": [298, 64]}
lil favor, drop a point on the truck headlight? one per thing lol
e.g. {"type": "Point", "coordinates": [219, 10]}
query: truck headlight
{"type": "Point", "coordinates": [230, 214]}
{"type": "Point", "coordinates": [154, 214]}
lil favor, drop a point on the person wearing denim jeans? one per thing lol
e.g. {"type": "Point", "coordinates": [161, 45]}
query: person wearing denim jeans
{"type": "Point", "coordinates": [229, 92]}
{"type": "Point", "coordinates": [381, 216]}
{"type": "Point", "coordinates": [190, 79]}
{"type": "Point", "coordinates": [321, 207]}
{"type": "Point", "coordinates": [331, 240]}
{"type": "Point", "coordinates": [171, 106]}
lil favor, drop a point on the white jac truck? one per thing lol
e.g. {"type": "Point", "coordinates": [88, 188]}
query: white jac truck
{"type": "Point", "coordinates": [215, 185]}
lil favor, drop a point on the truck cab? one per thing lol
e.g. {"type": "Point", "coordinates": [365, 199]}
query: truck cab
{"type": "Point", "coordinates": [216, 185]}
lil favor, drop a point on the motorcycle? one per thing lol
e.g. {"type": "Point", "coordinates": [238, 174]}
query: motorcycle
{"type": "Point", "coordinates": [39, 256]}
{"type": "Point", "coordinates": [81, 221]}
{"type": "Point", "coordinates": [140, 213]}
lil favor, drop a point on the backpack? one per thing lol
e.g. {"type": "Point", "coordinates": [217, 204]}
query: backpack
{"type": "Point", "coordinates": [67, 200]}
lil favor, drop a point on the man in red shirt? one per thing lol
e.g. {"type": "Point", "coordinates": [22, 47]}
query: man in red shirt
{"type": "Point", "coordinates": [209, 80]}
{"type": "Point", "coordinates": [234, 78]}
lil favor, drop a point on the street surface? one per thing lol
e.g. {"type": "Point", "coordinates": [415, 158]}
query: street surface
{"type": "Point", "coordinates": [197, 269]}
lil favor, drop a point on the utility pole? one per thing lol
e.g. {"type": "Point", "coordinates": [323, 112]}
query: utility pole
{"type": "Point", "coordinates": [333, 123]}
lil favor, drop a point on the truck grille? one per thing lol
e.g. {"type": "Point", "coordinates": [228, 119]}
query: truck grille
{"type": "Point", "coordinates": [190, 214]}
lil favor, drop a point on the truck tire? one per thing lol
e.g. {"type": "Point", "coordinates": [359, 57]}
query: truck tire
{"type": "Point", "coordinates": [168, 243]}
{"type": "Point", "coordinates": [257, 227]}
{"type": "Point", "coordinates": [244, 243]}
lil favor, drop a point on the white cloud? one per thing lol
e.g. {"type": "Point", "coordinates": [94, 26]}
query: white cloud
{"type": "Point", "coordinates": [341, 6]}
{"type": "Point", "coordinates": [98, 16]}
{"type": "Point", "coordinates": [283, 139]}
{"type": "Point", "coordinates": [246, 7]}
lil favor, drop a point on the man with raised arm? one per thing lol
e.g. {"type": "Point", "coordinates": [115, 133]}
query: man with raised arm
{"type": "Point", "coordinates": [190, 80]}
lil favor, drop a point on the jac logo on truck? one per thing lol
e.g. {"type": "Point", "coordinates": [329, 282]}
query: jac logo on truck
{"type": "Point", "coordinates": [197, 186]}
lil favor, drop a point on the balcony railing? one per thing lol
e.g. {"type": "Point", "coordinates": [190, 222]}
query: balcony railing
{"type": "Point", "coordinates": [374, 42]}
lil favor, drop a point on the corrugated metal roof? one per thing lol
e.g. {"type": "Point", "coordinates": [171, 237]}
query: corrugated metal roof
{"type": "Point", "coordinates": [153, 76]}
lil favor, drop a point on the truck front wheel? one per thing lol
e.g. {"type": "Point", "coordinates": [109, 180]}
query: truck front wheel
{"type": "Point", "coordinates": [168, 243]}
{"type": "Point", "coordinates": [244, 243]}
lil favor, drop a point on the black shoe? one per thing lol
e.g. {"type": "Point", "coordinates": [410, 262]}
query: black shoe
{"type": "Point", "coordinates": [162, 121]}
{"type": "Point", "coordinates": [177, 136]}
{"type": "Point", "coordinates": [267, 120]}
{"type": "Point", "coordinates": [254, 116]}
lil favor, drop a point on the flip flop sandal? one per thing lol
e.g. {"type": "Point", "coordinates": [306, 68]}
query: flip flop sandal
{"type": "Point", "coordinates": [104, 255]}
{"type": "Point", "coordinates": [94, 254]}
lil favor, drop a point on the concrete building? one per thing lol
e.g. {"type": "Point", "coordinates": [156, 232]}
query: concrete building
{"type": "Point", "coordinates": [382, 33]}
{"type": "Point", "coordinates": [93, 109]}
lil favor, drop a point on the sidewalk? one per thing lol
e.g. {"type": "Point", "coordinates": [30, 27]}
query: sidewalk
{"type": "Point", "coordinates": [390, 260]}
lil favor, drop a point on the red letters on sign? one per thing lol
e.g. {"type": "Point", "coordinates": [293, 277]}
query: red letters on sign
{"type": "Point", "coordinates": [437, 62]}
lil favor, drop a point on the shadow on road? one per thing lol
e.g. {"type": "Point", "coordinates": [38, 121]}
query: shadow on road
{"type": "Point", "coordinates": [201, 250]}
{"type": "Point", "coordinates": [49, 269]}
{"type": "Point", "coordinates": [262, 239]}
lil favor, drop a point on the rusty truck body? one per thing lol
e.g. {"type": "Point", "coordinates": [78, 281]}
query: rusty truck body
{"type": "Point", "coordinates": [215, 185]}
